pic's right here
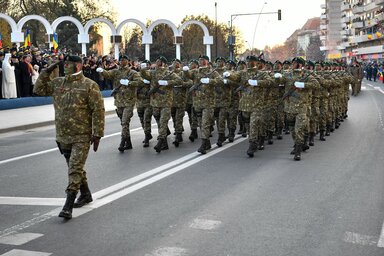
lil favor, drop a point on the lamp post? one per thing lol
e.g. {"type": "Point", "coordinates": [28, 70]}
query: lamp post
{"type": "Point", "coordinates": [216, 41]}
{"type": "Point", "coordinates": [232, 39]}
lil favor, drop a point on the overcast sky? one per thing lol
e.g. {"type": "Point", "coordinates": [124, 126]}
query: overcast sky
{"type": "Point", "coordinates": [269, 30]}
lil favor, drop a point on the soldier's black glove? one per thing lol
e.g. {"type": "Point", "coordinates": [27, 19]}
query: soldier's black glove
{"type": "Point", "coordinates": [52, 67]}
{"type": "Point", "coordinates": [95, 141]}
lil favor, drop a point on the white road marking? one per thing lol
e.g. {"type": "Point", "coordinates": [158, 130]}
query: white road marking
{"type": "Point", "coordinates": [377, 88]}
{"type": "Point", "coordinates": [168, 251]}
{"type": "Point", "coordinates": [359, 239]}
{"type": "Point", "coordinates": [31, 201]}
{"type": "Point", "coordinates": [19, 238]}
{"type": "Point", "coordinates": [380, 243]}
{"type": "Point", "coordinates": [104, 196]}
{"type": "Point", "coordinates": [205, 224]}
{"type": "Point", "coordinates": [25, 253]}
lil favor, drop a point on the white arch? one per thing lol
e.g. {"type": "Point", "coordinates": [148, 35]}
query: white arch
{"type": "Point", "coordinates": [46, 24]}
{"type": "Point", "coordinates": [10, 21]}
{"type": "Point", "coordinates": [199, 23]}
{"type": "Point", "coordinates": [75, 21]}
{"type": "Point", "coordinates": [163, 21]}
{"type": "Point", "coordinates": [137, 22]}
{"type": "Point", "coordinates": [93, 21]}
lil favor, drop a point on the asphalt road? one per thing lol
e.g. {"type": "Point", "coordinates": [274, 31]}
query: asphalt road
{"type": "Point", "coordinates": [179, 202]}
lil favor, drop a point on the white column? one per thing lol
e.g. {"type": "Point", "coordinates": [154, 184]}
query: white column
{"type": "Point", "coordinates": [209, 51]}
{"type": "Point", "coordinates": [117, 51]}
{"type": "Point", "coordinates": [84, 49]}
{"type": "Point", "coordinates": [147, 52]}
{"type": "Point", "coordinates": [178, 54]}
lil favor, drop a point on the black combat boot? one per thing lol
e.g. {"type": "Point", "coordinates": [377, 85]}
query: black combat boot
{"type": "Point", "coordinates": [322, 135]}
{"type": "Point", "coordinates": [293, 150]}
{"type": "Point", "coordinates": [297, 156]}
{"type": "Point", "coordinates": [159, 145]}
{"type": "Point", "coordinates": [208, 145]}
{"type": "Point", "coordinates": [66, 212]}
{"type": "Point", "coordinates": [128, 143]}
{"type": "Point", "coordinates": [148, 137]}
{"type": "Point", "coordinates": [178, 139]}
{"type": "Point", "coordinates": [279, 133]}
{"type": "Point", "coordinates": [221, 139]}
{"type": "Point", "coordinates": [311, 139]}
{"type": "Point", "coordinates": [241, 129]}
{"type": "Point", "coordinates": [231, 135]}
{"type": "Point", "coordinates": [328, 130]}
{"type": "Point", "coordinates": [261, 143]}
{"type": "Point", "coordinates": [202, 149]}
{"type": "Point", "coordinates": [286, 128]}
{"type": "Point", "coordinates": [252, 148]}
{"type": "Point", "coordinates": [332, 127]}
{"type": "Point", "coordinates": [337, 123]}
{"type": "Point", "coordinates": [122, 145]}
{"type": "Point", "coordinates": [193, 135]}
{"type": "Point", "coordinates": [270, 137]}
{"type": "Point", "coordinates": [164, 146]}
{"type": "Point", "coordinates": [305, 145]}
{"type": "Point", "coordinates": [85, 196]}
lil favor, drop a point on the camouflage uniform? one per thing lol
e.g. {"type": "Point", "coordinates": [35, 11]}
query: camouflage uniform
{"type": "Point", "coordinates": [324, 82]}
{"type": "Point", "coordinates": [79, 115]}
{"type": "Point", "coordinates": [125, 99]}
{"type": "Point", "coordinates": [161, 100]}
{"type": "Point", "coordinates": [357, 72]}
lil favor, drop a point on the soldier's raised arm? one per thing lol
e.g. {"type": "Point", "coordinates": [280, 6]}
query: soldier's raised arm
{"type": "Point", "coordinates": [45, 86]}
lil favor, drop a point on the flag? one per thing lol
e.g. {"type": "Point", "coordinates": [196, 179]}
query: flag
{"type": "Point", "coordinates": [55, 42]}
{"type": "Point", "coordinates": [381, 74]}
{"type": "Point", "coordinates": [1, 41]}
{"type": "Point", "coordinates": [27, 40]}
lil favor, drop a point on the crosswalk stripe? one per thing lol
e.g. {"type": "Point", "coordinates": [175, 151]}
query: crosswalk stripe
{"type": "Point", "coordinates": [16, 252]}
{"type": "Point", "coordinates": [19, 238]}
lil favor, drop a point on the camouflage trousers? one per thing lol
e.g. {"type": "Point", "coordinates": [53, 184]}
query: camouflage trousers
{"type": "Point", "coordinates": [233, 112]}
{"type": "Point", "coordinates": [222, 119]}
{"type": "Point", "coordinates": [177, 114]}
{"type": "Point", "coordinates": [162, 116]}
{"type": "Point", "coordinates": [356, 87]}
{"type": "Point", "coordinates": [125, 114]}
{"type": "Point", "coordinates": [145, 115]}
{"type": "Point", "coordinates": [323, 107]}
{"type": "Point", "coordinates": [280, 117]}
{"type": "Point", "coordinates": [331, 110]}
{"type": "Point", "coordinates": [205, 119]}
{"type": "Point", "coordinates": [298, 126]}
{"type": "Point", "coordinates": [254, 122]}
{"type": "Point", "coordinates": [75, 154]}
{"type": "Point", "coordinates": [192, 118]}
{"type": "Point", "coordinates": [314, 117]}
{"type": "Point", "coordinates": [270, 118]}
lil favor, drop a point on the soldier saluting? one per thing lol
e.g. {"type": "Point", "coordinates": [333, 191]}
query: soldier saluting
{"type": "Point", "coordinates": [79, 119]}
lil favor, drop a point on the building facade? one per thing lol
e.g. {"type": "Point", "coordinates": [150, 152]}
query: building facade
{"type": "Point", "coordinates": [353, 29]}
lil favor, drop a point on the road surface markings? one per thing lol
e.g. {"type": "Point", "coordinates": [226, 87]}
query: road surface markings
{"type": "Point", "coordinates": [205, 224]}
{"type": "Point", "coordinates": [19, 238]}
{"type": "Point", "coordinates": [168, 251]}
{"type": "Point", "coordinates": [25, 253]}
{"type": "Point", "coordinates": [380, 243]}
{"type": "Point", "coordinates": [359, 239]}
{"type": "Point", "coordinates": [122, 189]}
{"type": "Point", "coordinates": [377, 88]}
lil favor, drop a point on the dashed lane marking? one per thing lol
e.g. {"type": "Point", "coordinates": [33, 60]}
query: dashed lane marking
{"type": "Point", "coordinates": [19, 238]}
{"type": "Point", "coordinates": [168, 251]}
{"type": "Point", "coordinates": [25, 253]}
{"type": "Point", "coordinates": [354, 238]}
{"type": "Point", "coordinates": [205, 224]}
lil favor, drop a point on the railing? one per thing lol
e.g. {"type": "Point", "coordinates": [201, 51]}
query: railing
{"type": "Point", "coordinates": [358, 9]}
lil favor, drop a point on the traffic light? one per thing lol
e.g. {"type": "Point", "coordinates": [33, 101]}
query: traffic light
{"type": "Point", "coordinates": [279, 14]}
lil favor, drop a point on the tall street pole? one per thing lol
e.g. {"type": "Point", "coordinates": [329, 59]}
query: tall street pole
{"type": "Point", "coordinates": [217, 41]}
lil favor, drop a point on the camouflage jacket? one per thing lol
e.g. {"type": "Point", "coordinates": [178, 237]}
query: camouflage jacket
{"type": "Point", "coordinates": [223, 91]}
{"type": "Point", "coordinates": [79, 106]}
{"type": "Point", "coordinates": [204, 95]}
{"type": "Point", "coordinates": [180, 91]}
{"type": "Point", "coordinates": [162, 96]}
{"type": "Point", "coordinates": [124, 95]}
{"type": "Point", "coordinates": [298, 100]}
{"type": "Point", "coordinates": [252, 97]}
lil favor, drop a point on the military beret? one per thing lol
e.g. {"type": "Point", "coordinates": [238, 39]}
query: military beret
{"type": "Point", "coordinates": [205, 57]}
{"type": "Point", "coordinates": [319, 63]}
{"type": "Point", "coordinates": [194, 61]}
{"type": "Point", "coordinates": [299, 60]}
{"type": "Point", "coordinates": [278, 62]}
{"type": "Point", "coordinates": [325, 63]}
{"type": "Point", "coordinates": [231, 62]}
{"type": "Point", "coordinates": [162, 59]}
{"type": "Point", "coordinates": [310, 63]}
{"type": "Point", "coordinates": [124, 57]}
{"type": "Point", "coordinates": [176, 60]}
{"type": "Point", "coordinates": [241, 62]}
{"type": "Point", "coordinates": [73, 58]}
{"type": "Point", "coordinates": [268, 63]}
{"type": "Point", "coordinates": [146, 61]}
{"type": "Point", "coordinates": [252, 58]}
{"type": "Point", "coordinates": [220, 58]}
{"type": "Point", "coordinates": [286, 62]}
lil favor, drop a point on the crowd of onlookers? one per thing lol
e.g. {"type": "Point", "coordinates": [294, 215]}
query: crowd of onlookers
{"type": "Point", "coordinates": [374, 71]}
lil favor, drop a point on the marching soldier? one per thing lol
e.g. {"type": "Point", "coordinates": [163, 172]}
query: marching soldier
{"type": "Point", "coordinates": [192, 118]}
{"type": "Point", "coordinates": [79, 119]}
{"type": "Point", "coordinates": [162, 81]}
{"type": "Point", "coordinates": [125, 82]}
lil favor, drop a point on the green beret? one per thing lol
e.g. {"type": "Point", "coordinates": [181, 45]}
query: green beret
{"type": "Point", "coordinates": [252, 58]}
{"type": "Point", "coordinates": [146, 61]}
{"type": "Point", "coordinates": [124, 57]}
{"type": "Point", "coordinates": [231, 62]}
{"type": "Point", "coordinates": [176, 60]}
{"type": "Point", "coordinates": [268, 63]}
{"type": "Point", "coordinates": [241, 62]}
{"type": "Point", "coordinates": [220, 58]}
{"type": "Point", "coordinates": [194, 61]}
{"type": "Point", "coordinates": [73, 58]}
{"type": "Point", "coordinates": [299, 60]}
{"type": "Point", "coordinates": [310, 63]}
{"type": "Point", "coordinates": [278, 62]}
{"type": "Point", "coordinates": [162, 59]}
{"type": "Point", "coordinates": [319, 63]}
{"type": "Point", "coordinates": [286, 62]}
{"type": "Point", "coordinates": [205, 57]}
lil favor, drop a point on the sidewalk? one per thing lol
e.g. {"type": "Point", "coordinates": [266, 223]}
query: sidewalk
{"type": "Point", "coordinates": [32, 117]}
